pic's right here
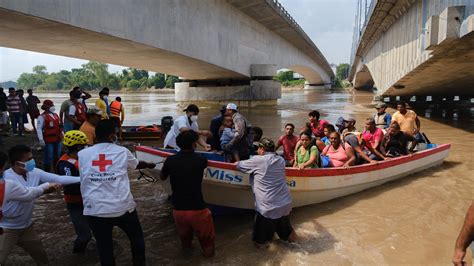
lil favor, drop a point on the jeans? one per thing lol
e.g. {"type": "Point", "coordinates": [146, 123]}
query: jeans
{"type": "Point", "coordinates": [52, 151]}
{"type": "Point", "coordinates": [102, 230]}
{"type": "Point", "coordinates": [68, 126]}
{"type": "Point", "coordinates": [17, 123]}
{"type": "Point", "coordinates": [81, 226]}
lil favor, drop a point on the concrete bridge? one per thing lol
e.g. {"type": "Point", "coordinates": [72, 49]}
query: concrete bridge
{"type": "Point", "coordinates": [414, 48]}
{"type": "Point", "coordinates": [223, 49]}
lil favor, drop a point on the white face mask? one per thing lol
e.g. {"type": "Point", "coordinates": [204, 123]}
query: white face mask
{"type": "Point", "coordinates": [52, 109]}
{"type": "Point", "coordinates": [194, 118]}
{"type": "Point", "coordinates": [105, 98]}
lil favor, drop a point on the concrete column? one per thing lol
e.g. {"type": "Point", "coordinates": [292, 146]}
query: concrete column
{"type": "Point", "coordinates": [260, 89]}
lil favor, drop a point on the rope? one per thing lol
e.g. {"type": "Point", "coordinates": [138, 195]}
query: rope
{"type": "Point", "coordinates": [148, 177]}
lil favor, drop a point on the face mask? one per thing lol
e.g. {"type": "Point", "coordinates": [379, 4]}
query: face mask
{"type": "Point", "coordinates": [194, 118]}
{"type": "Point", "coordinates": [52, 109]}
{"type": "Point", "coordinates": [114, 139]}
{"type": "Point", "coordinates": [29, 165]}
{"type": "Point", "coordinates": [105, 98]}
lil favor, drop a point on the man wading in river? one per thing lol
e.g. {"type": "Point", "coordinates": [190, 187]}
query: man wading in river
{"type": "Point", "coordinates": [272, 195]}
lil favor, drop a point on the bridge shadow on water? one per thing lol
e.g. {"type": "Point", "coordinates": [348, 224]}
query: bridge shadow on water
{"type": "Point", "coordinates": [461, 118]}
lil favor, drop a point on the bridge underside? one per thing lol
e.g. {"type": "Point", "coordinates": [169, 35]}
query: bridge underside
{"type": "Point", "coordinates": [30, 33]}
{"type": "Point", "coordinates": [450, 71]}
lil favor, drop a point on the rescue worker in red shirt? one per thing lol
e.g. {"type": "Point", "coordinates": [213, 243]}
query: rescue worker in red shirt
{"type": "Point", "coordinates": [117, 113]}
{"type": "Point", "coordinates": [68, 164]}
{"type": "Point", "coordinates": [49, 133]}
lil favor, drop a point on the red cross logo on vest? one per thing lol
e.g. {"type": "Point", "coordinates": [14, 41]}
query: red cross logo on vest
{"type": "Point", "coordinates": [102, 163]}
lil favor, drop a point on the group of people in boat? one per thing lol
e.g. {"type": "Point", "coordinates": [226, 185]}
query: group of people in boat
{"type": "Point", "coordinates": [317, 144]}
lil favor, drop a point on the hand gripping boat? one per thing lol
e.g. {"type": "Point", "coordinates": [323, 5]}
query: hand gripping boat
{"type": "Point", "coordinates": [225, 186]}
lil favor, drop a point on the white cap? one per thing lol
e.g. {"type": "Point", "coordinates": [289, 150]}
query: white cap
{"type": "Point", "coordinates": [232, 106]}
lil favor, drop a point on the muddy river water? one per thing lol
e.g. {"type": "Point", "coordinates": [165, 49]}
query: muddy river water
{"type": "Point", "coordinates": [414, 220]}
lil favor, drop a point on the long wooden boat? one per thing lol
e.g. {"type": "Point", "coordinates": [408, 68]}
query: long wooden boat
{"type": "Point", "coordinates": [224, 185]}
{"type": "Point", "coordinates": [141, 133]}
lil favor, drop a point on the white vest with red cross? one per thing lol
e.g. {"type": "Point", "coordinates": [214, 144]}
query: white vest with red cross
{"type": "Point", "coordinates": [105, 186]}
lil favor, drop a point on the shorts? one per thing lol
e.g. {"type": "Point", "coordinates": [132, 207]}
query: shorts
{"type": "Point", "coordinates": [199, 222]}
{"type": "Point", "coordinates": [116, 120]}
{"type": "Point", "coordinates": [34, 114]}
{"type": "Point", "coordinates": [3, 117]}
{"type": "Point", "coordinates": [264, 228]}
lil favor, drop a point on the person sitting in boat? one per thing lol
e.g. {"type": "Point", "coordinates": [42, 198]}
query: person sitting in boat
{"type": "Point", "coordinates": [328, 129]}
{"type": "Point", "coordinates": [316, 124]}
{"type": "Point", "coordinates": [215, 129]}
{"type": "Point", "coordinates": [272, 195]}
{"type": "Point", "coordinates": [226, 136]}
{"type": "Point", "coordinates": [242, 138]}
{"type": "Point", "coordinates": [189, 209]}
{"type": "Point", "coordinates": [340, 125]}
{"type": "Point", "coordinates": [340, 154]}
{"type": "Point", "coordinates": [372, 136]}
{"type": "Point", "coordinates": [349, 126]}
{"type": "Point", "coordinates": [288, 141]}
{"type": "Point", "coordinates": [93, 117]}
{"type": "Point", "coordinates": [184, 123]}
{"type": "Point", "coordinates": [408, 121]}
{"type": "Point", "coordinates": [354, 139]}
{"type": "Point", "coordinates": [395, 142]}
{"type": "Point", "coordinates": [382, 118]}
{"type": "Point", "coordinates": [306, 154]}
{"type": "Point", "coordinates": [256, 133]}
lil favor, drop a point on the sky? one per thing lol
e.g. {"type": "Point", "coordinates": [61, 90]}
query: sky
{"type": "Point", "coordinates": [329, 23]}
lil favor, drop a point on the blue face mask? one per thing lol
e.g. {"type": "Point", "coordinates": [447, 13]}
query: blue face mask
{"type": "Point", "coordinates": [29, 165]}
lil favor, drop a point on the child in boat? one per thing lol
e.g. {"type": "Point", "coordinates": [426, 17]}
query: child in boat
{"type": "Point", "coordinates": [227, 135]}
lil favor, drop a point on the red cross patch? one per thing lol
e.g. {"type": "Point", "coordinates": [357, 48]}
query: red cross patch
{"type": "Point", "coordinates": [102, 163]}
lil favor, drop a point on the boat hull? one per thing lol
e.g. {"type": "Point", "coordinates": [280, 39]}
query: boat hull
{"type": "Point", "coordinates": [223, 185]}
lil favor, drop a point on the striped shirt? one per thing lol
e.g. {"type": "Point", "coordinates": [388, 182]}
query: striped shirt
{"type": "Point", "coordinates": [13, 104]}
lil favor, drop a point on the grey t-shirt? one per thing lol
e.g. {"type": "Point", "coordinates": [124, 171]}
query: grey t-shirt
{"type": "Point", "coordinates": [352, 140]}
{"type": "Point", "coordinates": [268, 181]}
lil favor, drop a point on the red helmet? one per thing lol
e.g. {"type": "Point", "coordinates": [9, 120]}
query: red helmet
{"type": "Point", "coordinates": [47, 104]}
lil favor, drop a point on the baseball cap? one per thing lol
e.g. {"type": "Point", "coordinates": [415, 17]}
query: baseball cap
{"type": "Point", "coordinates": [94, 111]}
{"type": "Point", "coordinates": [192, 108]}
{"type": "Point", "coordinates": [232, 106]}
{"type": "Point", "coordinates": [266, 143]}
{"type": "Point", "coordinates": [340, 122]}
{"type": "Point", "coordinates": [349, 120]}
{"type": "Point", "coordinates": [380, 105]}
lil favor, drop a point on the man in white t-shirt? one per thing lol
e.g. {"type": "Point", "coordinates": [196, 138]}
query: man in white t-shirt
{"type": "Point", "coordinates": [183, 123]}
{"type": "Point", "coordinates": [17, 214]}
{"type": "Point", "coordinates": [105, 189]}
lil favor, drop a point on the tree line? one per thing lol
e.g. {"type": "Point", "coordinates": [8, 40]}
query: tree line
{"type": "Point", "coordinates": [286, 78]}
{"type": "Point", "coordinates": [94, 75]}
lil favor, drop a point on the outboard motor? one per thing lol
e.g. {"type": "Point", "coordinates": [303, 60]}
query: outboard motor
{"type": "Point", "coordinates": [166, 123]}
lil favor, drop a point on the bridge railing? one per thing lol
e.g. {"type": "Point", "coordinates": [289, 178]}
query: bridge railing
{"type": "Point", "coordinates": [364, 12]}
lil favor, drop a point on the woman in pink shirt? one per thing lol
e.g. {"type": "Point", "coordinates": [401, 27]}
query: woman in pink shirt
{"type": "Point", "coordinates": [340, 154]}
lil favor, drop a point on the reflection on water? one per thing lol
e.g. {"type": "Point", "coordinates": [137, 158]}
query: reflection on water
{"type": "Point", "coordinates": [411, 221]}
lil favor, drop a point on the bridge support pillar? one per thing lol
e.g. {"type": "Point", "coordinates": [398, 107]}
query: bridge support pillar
{"type": "Point", "coordinates": [260, 89]}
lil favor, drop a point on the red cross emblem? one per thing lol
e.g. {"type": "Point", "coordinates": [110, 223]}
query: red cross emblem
{"type": "Point", "coordinates": [102, 163]}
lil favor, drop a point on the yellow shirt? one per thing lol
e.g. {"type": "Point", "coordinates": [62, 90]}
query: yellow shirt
{"type": "Point", "coordinates": [89, 130]}
{"type": "Point", "coordinates": [407, 122]}
{"type": "Point", "coordinates": [102, 106]}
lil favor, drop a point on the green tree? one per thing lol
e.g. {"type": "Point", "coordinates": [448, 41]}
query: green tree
{"type": "Point", "coordinates": [158, 81]}
{"type": "Point", "coordinates": [133, 84]}
{"type": "Point", "coordinates": [283, 76]}
{"type": "Point", "coordinates": [170, 81]}
{"type": "Point", "coordinates": [100, 71]}
{"type": "Point", "coordinates": [342, 71]}
{"type": "Point", "coordinates": [28, 81]}
{"type": "Point", "coordinates": [40, 70]}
